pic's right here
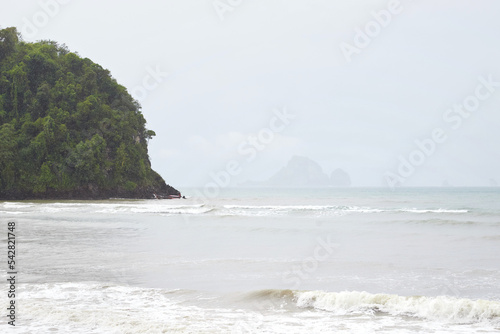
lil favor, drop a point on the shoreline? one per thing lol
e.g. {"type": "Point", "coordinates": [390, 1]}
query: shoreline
{"type": "Point", "coordinates": [92, 193]}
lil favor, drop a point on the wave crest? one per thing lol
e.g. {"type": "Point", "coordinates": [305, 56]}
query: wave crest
{"type": "Point", "coordinates": [451, 309]}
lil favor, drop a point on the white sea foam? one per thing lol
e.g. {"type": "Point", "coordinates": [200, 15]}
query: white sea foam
{"type": "Point", "coordinates": [433, 210]}
{"type": "Point", "coordinates": [169, 208]}
{"type": "Point", "coordinates": [442, 308]}
{"type": "Point", "coordinates": [101, 308]}
{"type": "Point", "coordinates": [138, 207]}
{"type": "Point", "coordinates": [323, 209]}
{"type": "Point", "coordinates": [281, 207]}
{"type": "Point", "coordinates": [97, 308]}
{"type": "Point", "coordinates": [12, 212]}
{"type": "Point", "coordinates": [262, 210]}
{"type": "Point", "coordinates": [17, 205]}
{"type": "Point", "coordinates": [160, 208]}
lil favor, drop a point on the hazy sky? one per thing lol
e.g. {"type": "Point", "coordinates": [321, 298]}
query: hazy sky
{"type": "Point", "coordinates": [360, 81]}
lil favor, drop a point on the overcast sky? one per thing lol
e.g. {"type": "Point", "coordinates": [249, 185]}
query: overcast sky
{"type": "Point", "coordinates": [354, 83]}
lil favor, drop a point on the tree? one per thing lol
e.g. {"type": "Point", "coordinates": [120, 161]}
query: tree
{"type": "Point", "coordinates": [40, 68]}
{"type": "Point", "coordinates": [121, 162]}
{"type": "Point", "coordinates": [7, 157]}
{"type": "Point", "coordinates": [8, 40]}
{"type": "Point", "coordinates": [87, 159]}
{"type": "Point", "coordinates": [19, 79]}
{"type": "Point", "coordinates": [67, 125]}
{"type": "Point", "coordinates": [46, 178]}
{"type": "Point", "coordinates": [42, 99]}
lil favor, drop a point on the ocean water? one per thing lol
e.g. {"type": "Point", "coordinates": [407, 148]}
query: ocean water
{"type": "Point", "coordinates": [333, 260]}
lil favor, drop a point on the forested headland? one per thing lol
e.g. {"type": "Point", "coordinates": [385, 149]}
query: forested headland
{"type": "Point", "coordinates": [68, 129]}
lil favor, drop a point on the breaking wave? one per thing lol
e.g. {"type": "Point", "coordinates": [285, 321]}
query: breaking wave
{"type": "Point", "coordinates": [441, 308]}
{"type": "Point", "coordinates": [218, 209]}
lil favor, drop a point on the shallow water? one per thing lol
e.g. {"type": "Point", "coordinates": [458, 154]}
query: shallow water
{"type": "Point", "coordinates": [261, 261]}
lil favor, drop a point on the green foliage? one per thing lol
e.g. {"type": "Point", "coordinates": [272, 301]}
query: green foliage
{"type": "Point", "coordinates": [46, 178]}
{"type": "Point", "coordinates": [8, 41]}
{"type": "Point", "coordinates": [129, 185]}
{"type": "Point", "coordinates": [7, 157]}
{"type": "Point", "coordinates": [65, 123]}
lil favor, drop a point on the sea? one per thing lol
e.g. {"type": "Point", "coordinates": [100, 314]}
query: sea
{"type": "Point", "coordinates": [257, 260]}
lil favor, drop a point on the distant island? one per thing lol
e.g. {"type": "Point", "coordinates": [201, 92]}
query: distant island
{"type": "Point", "coordinates": [304, 172]}
{"type": "Point", "coordinates": [68, 130]}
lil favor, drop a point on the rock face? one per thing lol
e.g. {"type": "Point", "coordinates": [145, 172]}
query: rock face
{"type": "Point", "coordinates": [340, 178]}
{"type": "Point", "coordinates": [93, 192]}
{"type": "Point", "coordinates": [68, 130]}
{"type": "Point", "coordinates": [300, 172]}
{"type": "Point", "coordinates": [304, 172]}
